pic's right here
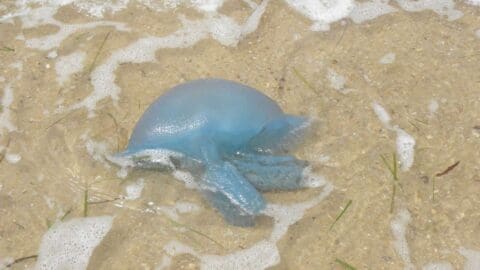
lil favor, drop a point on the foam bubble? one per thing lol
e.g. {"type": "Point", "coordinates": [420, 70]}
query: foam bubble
{"type": "Point", "coordinates": [472, 258]}
{"type": "Point", "coordinates": [68, 65]}
{"type": "Point", "coordinates": [158, 157]}
{"type": "Point", "coordinates": [441, 7]}
{"type": "Point", "coordinates": [260, 255]}
{"type": "Point", "coordinates": [405, 142]}
{"type": "Point", "coordinates": [337, 81]}
{"type": "Point", "coordinates": [218, 26]}
{"type": "Point", "coordinates": [92, 8]}
{"type": "Point", "coordinates": [52, 54]}
{"type": "Point", "coordinates": [438, 266]}
{"type": "Point", "coordinates": [97, 150]}
{"type": "Point", "coordinates": [387, 58]}
{"type": "Point", "coordinates": [7, 100]}
{"type": "Point", "coordinates": [179, 208]}
{"type": "Point", "coordinates": [207, 5]}
{"type": "Point", "coordinates": [49, 201]}
{"type": "Point", "coordinates": [186, 207]}
{"type": "Point", "coordinates": [20, 37]}
{"type": "Point", "coordinates": [473, 2]}
{"type": "Point", "coordinates": [433, 106]}
{"type": "Point", "coordinates": [134, 190]}
{"type": "Point", "coordinates": [69, 245]}
{"type": "Point", "coordinates": [399, 231]}
{"type": "Point", "coordinates": [311, 180]}
{"type": "Point", "coordinates": [322, 13]}
{"type": "Point", "coordinates": [53, 41]}
{"type": "Point", "coordinates": [100, 8]}
{"type": "Point", "coordinates": [186, 178]}
{"type": "Point", "coordinates": [405, 149]}
{"type": "Point", "coordinates": [13, 158]}
{"type": "Point", "coordinates": [44, 15]}
{"type": "Point", "coordinates": [366, 11]}
{"type": "Point", "coordinates": [382, 114]}
{"type": "Point", "coordinates": [17, 65]}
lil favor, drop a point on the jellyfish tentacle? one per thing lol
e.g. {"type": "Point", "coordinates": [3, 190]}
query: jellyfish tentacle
{"type": "Point", "coordinates": [271, 172]}
{"type": "Point", "coordinates": [228, 191]}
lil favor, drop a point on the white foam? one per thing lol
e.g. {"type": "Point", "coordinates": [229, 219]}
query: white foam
{"type": "Point", "coordinates": [473, 2]}
{"type": "Point", "coordinates": [337, 81]}
{"type": "Point", "coordinates": [399, 231]}
{"type": "Point", "coordinates": [441, 7]}
{"type": "Point", "coordinates": [260, 255]}
{"type": "Point", "coordinates": [322, 12]}
{"type": "Point", "coordinates": [52, 54]}
{"type": "Point", "coordinates": [477, 33]}
{"type": "Point", "coordinates": [311, 180]}
{"type": "Point", "coordinates": [405, 149]}
{"type": "Point", "coordinates": [382, 114]}
{"type": "Point", "coordinates": [68, 65]}
{"type": "Point", "coordinates": [207, 5]}
{"type": "Point", "coordinates": [100, 8]}
{"type": "Point", "coordinates": [12, 158]}
{"type": "Point", "coordinates": [387, 58]}
{"type": "Point", "coordinates": [186, 178]}
{"type": "Point", "coordinates": [20, 37]}
{"type": "Point", "coordinates": [134, 190]}
{"type": "Point", "coordinates": [220, 27]}
{"type": "Point", "coordinates": [179, 208]}
{"type": "Point", "coordinates": [7, 100]}
{"type": "Point", "coordinates": [53, 41]}
{"type": "Point", "coordinates": [69, 245]}
{"type": "Point", "coordinates": [472, 258]}
{"type": "Point", "coordinates": [97, 150]}
{"type": "Point", "coordinates": [159, 156]}
{"type": "Point", "coordinates": [18, 65]}
{"type": "Point", "coordinates": [186, 207]}
{"type": "Point", "coordinates": [438, 266]}
{"type": "Point", "coordinates": [433, 106]}
{"type": "Point", "coordinates": [366, 11]}
{"type": "Point", "coordinates": [44, 15]}
{"type": "Point", "coordinates": [49, 201]}
{"type": "Point", "coordinates": [405, 142]}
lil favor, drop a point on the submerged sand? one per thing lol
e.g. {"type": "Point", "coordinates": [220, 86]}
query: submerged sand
{"type": "Point", "coordinates": [430, 88]}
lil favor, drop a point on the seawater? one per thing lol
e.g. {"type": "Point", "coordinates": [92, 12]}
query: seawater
{"type": "Point", "coordinates": [382, 76]}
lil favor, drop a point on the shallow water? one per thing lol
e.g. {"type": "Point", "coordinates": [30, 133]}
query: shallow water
{"type": "Point", "coordinates": [74, 80]}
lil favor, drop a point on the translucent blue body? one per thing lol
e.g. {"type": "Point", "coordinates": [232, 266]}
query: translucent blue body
{"type": "Point", "coordinates": [232, 138]}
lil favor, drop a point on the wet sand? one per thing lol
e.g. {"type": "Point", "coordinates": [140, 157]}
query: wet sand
{"type": "Point", "coordinates": [436, 62]}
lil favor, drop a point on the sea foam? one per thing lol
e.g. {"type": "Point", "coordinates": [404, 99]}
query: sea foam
{"type": "Point", "coordinates": [405, 142]}
{"type": "Point", "coordinates": [69, 245]}
{"type": "Point", "coordinates": [399, 230]}
{"type": "Point", "coordinates": [68, 65]}
{"type": "Point", "coordinates": [7, 100]}
{"type": "Point", "coordinates": [260, 255]}
{"type": "Point", "coordinates": [472, 258]}
{"type": "Point", "coordinates": [215, 25]}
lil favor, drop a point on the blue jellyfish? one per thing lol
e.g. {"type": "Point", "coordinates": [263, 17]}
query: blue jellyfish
{"type": "Point", "coordinates": [232, 138]}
